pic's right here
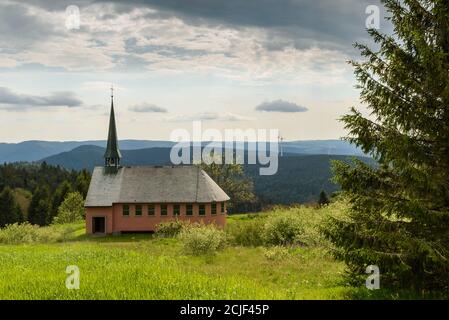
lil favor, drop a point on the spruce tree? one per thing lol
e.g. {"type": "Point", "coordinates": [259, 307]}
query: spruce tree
{"type": "Point", "coordinates": [19, 214]}
{"type": "Point", "coordinates": [399, 210]}
{"type": "Point", "coordinates": [9, 209]}
{"type": "Point", "coordinates": [39, 211]}
{"type": "Point", "coordinates": [82, 182]}
{"type": "Point", "coordinates": [323, 198]}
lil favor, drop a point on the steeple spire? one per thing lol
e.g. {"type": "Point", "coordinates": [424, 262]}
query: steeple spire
{"type": "Point", "coordinates": [112, 155]}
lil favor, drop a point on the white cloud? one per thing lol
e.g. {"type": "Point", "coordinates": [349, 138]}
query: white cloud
{"type": "Point", "coordinates": [168, 44]}
{"type": "Point", "coordinates": [280, 106]}
{"type": "Point", "coordinates": [13, 101]}
{"type": "Point", "coordinates": [147, 108]}
{"type": "Point", "coordinates": [7, 62]}
{"type": "Point", "coordinates": [208, 116]}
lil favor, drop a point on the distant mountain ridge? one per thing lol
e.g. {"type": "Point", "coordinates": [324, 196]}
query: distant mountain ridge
{"type": "Point", "coordinates": [35, 150]}
{"type": "Point", "coordinates": [87, 157]}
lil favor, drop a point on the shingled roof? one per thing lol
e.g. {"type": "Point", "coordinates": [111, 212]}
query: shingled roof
{"type": "Point", "coordinates": [152, 184]}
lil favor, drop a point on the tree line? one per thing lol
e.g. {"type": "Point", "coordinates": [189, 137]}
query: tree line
{"type": "Point", "coordinates": [239, 186]}
{"type": "Point", "coordinates": [48, 185]}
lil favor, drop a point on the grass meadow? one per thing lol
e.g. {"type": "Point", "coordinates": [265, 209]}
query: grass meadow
{"type": "Point", "coordinates": [144, 266]}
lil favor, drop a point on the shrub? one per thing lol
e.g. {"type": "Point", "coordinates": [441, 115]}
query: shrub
{"type": "Point", "coordinates": [311, 221]}
{"type": "Point", "coordinates": [27, 233]}
{"type": "Point", "coordinates": [282, 226]}
{"type": "Point", "coordinates": [19, 233]}
{"type": "Point", "coordinates": [71, 209]}
{"type": "Point", "coordinates": [276, 253]}
{"type": "Point", "coordinates": [246, 233]}
{"type": "Point", "coordinates": [283, 229]}
{"type": "Point", "coordinates": [170, 229]}
{"type": "Point", "coordinates": [202, 239]}
{"type": "Point", "coordinates": [24, 233]}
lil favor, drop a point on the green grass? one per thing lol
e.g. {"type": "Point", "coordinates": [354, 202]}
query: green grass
{"type": "Point", "coordinates": [155, 269]}
{"type": "Point", "coordinates": [146, 267]}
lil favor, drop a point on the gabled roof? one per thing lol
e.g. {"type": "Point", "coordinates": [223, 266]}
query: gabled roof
{"type": "Point", "coordinates": [152, 184]}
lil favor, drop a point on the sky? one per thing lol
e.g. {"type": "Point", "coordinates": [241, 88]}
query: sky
{"type": "Point", "coordinates": [259, 64]}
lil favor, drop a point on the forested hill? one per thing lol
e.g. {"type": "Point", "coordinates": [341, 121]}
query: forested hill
{"type": "Point", "coordinates": [87, 157]}
{"type": "Point", "coordinates": [35, 150]}
{"type": "Point", "coordinates": [300, 178]}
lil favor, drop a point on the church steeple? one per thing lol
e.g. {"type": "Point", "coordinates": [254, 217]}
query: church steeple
{"type": "Point", "coordinates": [112, 155]}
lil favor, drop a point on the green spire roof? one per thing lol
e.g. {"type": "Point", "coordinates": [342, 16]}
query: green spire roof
{"type": "Point", "coordinates": [112, 150]}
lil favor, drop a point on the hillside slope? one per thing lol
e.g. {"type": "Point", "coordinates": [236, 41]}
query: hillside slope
{"type": "Point", "coordinates": [35, 150]}
{"type": "Point", "coordinates": [300, 178]}
{"type": "Point", "coordinates": [87, 157]}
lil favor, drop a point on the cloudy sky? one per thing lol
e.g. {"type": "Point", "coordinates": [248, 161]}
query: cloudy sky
{"type": "Point", "coordinates": [268, 64]}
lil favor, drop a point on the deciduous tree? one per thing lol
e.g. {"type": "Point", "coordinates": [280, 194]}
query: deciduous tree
{"type": "Point", "coordinates": [232, 179]}
{"type": "Point", "coordinates": [71, 209]}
